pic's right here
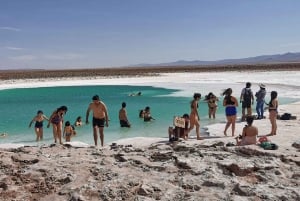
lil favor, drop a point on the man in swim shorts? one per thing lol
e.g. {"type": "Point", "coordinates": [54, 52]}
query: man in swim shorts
{"type": "Point", "coordinates": [100, 118]}
{"type": "Point", "coordinates": [123, 116]}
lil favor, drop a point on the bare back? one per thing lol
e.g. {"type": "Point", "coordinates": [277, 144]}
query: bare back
{"type": "Point", "coordinates": [123, 114]}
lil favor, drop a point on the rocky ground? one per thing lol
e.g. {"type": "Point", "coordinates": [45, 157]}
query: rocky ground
{"type": "Point", "coordinates": [161, 171]}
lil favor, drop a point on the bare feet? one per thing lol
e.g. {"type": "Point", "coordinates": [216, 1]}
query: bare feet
{"type": "Point", "coordinates": [225, 133]}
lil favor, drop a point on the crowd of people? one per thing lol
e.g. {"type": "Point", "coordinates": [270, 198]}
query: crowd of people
{"type": "Point", "coordinates": [189, 121]}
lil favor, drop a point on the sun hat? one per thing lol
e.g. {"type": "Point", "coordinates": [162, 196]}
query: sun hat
{"type": "Point", "coordinates": [262, 85]}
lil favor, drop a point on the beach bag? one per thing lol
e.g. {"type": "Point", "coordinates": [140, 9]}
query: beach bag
{"type": "Point", "coordinates": [263, 139]}
{"type": "Point", "coordinates": [269, 146]}
{"type": "Point", "coordinates": [286, 116]}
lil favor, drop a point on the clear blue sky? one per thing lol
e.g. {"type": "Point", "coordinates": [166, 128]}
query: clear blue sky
{"type": "Point", "coordinates": [97, 33]}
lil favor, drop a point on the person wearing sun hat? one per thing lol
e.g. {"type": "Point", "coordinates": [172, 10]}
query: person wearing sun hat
{"type": "Point", "coordinates": [260, 100]}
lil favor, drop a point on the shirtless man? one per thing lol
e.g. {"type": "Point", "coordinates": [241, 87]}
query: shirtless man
{"type": "Point", "coordinates": [123, 116]}
{"type": "Point", "coordinates": [100, 117]}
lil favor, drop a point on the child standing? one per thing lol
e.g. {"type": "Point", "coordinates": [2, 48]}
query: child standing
{"type": "Point", "coordinates": [38, 127]}
{"type": "Point", "coordinates": [68, 131]}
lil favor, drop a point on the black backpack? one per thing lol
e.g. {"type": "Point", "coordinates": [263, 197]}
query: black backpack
{"type": "Point", "coordinates": [286, 116]}
{"type": "Point", "coordinates": [247, 94]}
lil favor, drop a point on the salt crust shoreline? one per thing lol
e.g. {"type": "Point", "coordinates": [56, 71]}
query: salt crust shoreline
{"type": "Point", "coordinates": [215, 130]}
{"type": "Point", "coordinates": [154, 169]}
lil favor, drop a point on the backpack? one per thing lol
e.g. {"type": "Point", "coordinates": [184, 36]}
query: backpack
{"type": "Point", "coordinates": [286, 116]}
{"type": "Point", "coordinates": [247, 95]}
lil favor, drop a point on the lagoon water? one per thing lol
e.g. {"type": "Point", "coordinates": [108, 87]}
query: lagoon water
{"type": "Point", "coordinates": [167, 98]}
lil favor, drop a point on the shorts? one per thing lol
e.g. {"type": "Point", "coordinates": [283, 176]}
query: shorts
{"type": "Point", "coordinates": [124, 123]}
{"type": "Point", "coordinates": [98, 122]}
{"type": "Point", "coordinates": [230, 111]}
{"type": "Point", "coordinates": [246, 104]}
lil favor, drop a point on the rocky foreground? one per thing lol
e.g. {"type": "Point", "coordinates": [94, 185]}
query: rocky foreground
{"type": "Point", "coordinates": [161, 171]}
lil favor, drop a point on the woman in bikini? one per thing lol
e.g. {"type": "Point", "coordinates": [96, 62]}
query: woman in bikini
{"type": "Point", "coordinates": [38, 127]}
{"type": "Point", "coordinates": [249, 134]}
{"type": "Point", "coordinates": [273, 105]}
{"type": "Point", "coordinates": [56, 119]}
{"type": "Point", "coordinates": [194, 116]}
{"type": "Point", "coordinates": [212, 104]}
{"type": "Point", "coordinates": [230, 103]}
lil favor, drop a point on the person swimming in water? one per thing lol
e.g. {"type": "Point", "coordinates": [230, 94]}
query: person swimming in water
{"type": "Point", "coordinates": [3, 135]}
{"type": "Point", "coordinates": [38, 127]}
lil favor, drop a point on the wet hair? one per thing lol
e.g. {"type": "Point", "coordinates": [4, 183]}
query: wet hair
{"type": "Point", "coordinates": [67, 123]}
{"type": "Point", "coordinates": [273, 95]}
{"type": "Point", "coordinates": [227, 92]}
{"type": "Point", "coordinates": [62, 108]}
{"type": "Point", "coordinates": [248, 85]}
{"type": "Point", "coordinates": [78, 118]}
{"type": "Point", "coordinates": [123, 104]}
{"type": "Point", "coordinates": [249, 120]}
{"type": "Point", "coordinates": [96, 97]}
{"type": "Point", "coordinates": [209, 95]}
{"type": "Point", "coordinates": [147, 108]}
{"type": "Point", "coordinates": [197, 95]}
{"type": "Point", "coordinates": [40, 112]}
{"type": "Point", "coordinates": [186, 116]}
{"type": "Point", "coordinates": [141, 113]}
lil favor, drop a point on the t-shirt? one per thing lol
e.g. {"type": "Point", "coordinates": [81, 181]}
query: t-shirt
{"type": "Point", "coordinates": [260, 95]}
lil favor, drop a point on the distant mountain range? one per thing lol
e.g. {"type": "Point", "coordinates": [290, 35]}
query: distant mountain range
{"type": "Point", "coordinates": [263, 59]}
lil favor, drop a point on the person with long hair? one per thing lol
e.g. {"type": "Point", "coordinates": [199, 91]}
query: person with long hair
{"type": "Point", "coordinates": [56, 119]}
{"type": "Point", "coordinates": [230, 103]}
{"type": "Point", "coordinates": [273, 106]}
{"type": "Point", "coordinates": [212, 104]}
{"type": "Point", "coordinates": [194, 115]}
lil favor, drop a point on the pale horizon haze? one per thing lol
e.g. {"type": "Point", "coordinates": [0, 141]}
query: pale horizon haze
{"type": "Point", "coordinates": [62, 34]}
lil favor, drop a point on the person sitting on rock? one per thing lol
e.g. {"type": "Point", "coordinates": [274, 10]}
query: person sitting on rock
{"type": "Point", "coordinates": [179, 132]}
{"type": "Point", "coordinates": [249, 134]}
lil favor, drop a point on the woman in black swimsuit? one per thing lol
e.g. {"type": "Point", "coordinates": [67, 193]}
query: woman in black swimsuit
{"type": "Point", "coordinates": [38, 127]}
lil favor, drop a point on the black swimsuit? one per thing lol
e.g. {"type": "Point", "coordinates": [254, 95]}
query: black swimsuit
{"type": "Point", "coordinates": [38, 124]}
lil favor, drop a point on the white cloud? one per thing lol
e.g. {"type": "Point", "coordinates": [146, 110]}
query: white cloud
{"type": "Point", "coordinates": [10, 29]}
{"type": "Point", "coordinates": [24, 58]}
{"type": "Point", "coordinates": [14, 48]}
{"type": "Point", "coordinates": [66, 56]}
